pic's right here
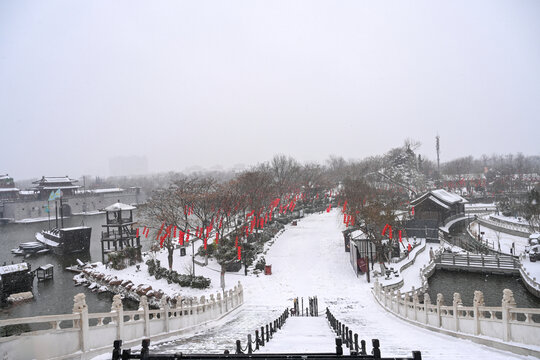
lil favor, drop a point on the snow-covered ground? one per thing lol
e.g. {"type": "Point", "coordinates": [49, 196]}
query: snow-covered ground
{"type": "Point", "coordinates": [511, 219]}
{"type": "Point", "coordinates": [533, 268]}
{"type": "Point", "coordinates": [411, 275]}
{"type": "Point", "coordinates": [303, 334]}
{"type": "Point", "coordinates": [495, 237]}
{"type": "Point", "coordinates": [309, 259]}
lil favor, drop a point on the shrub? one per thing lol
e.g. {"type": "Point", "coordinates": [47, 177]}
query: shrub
{"type": "Point", "coordinates": [198, 282]}
{"type": "Point", "coordinates": [260, 264]}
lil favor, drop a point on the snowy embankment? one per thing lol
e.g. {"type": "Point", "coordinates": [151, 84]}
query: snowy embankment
{"type": "Point", "coordinates": [309, 259]}
{"type": "Point", "coordinates": [494, 238]}
{"type": "Point", "coordinates": [409, 275]}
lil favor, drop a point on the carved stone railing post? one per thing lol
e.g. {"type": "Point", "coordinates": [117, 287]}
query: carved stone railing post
{"type": "Point", "coordinates": [231, 299]}
{"type": "Point", "coordinates": [508, 302]}
{"type": "Point", "coordinates": [220, 303]}
{"type": "Point", "coordinates": [212, 305]}
{"type": "Point", "coordinates": [179, 305]}
{"type": "Point", "coordinates": [427, 302]}
{"type": "Point", "coordinates": [415, 304]}
{"type": "Point", "coordinates": [143, 305]}
{"type": "Point", "coordinates": [80, 307]}
{"type": "Point", "coordinates": [240, 292]}
{"type": "Point", "coordinates": [398, 298]}
{"type": "Point", "coordinates": [225, 300]}
{"type": "Point", "coordinates": [456, 303]}
{"type": "Point", "coordinates": [478, 301]}
{"type": "Point", "coordinates": [118, 307]}
{"type": "Point", "coordinates": [407, 303]}
{"type": "Point", "coordinates": [165, 307]}
{"type": "Point", "coordinates": [440, 302]}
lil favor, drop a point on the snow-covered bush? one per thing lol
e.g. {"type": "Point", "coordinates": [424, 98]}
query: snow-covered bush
{"type": "Point", "coordinates": [155, 269]}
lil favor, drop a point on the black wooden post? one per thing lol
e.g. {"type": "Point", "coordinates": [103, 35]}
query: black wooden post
{"type": "Point", "coordinates": [347, 337]}
{"type": "Point", "coordinates": [376, 351]}
{"type": "Point", "coordinates": [145, 351]}
{"type": "Point", "coordinates": [363, 345]}
{"type": "Point", "coordinates": [356, 343]}
{"type": "Point", "coordinates": [126, 354]}
{"type": "Point", "coordinates": [257, 340]}
{"type": "Point", "coordinates": [302, 306]}
{"type": "Point", "coordinates": [343, 333]}
{"type": "Point", "coordinates": [339, 349]}
{"type": "Point", "coordinates": [250, 348]}
{"type": "Point", "coordinates": [267, 334]}
{"type": "Point", "coordinates": [262, 335]}
{"type": "Point", "coordinates": [238, 347]}
{"type": "Point", "coordinates": [416, 355]}
{"type": "Point", "coordinates": [350, 339]}
{"type": "Point", "coordinates": [117, 349]}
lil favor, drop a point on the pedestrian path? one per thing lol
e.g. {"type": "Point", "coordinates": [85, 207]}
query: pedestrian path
{"type": "Point", "coordinates": [303, 334]}
{"type": "Point", "coordinates": [307, 260]}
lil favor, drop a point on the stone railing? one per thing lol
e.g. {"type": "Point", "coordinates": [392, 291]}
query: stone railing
{"type": "Point", "coordinates": [505, 227]}
{"type": "Point", "coordinates": [507, 322]}
{"type": "Point", "coordinates": [530, 282]}
{"type": "Point", "coordinates": [84, 335]}
{"type": "Point", "coordinates": [523, 227]}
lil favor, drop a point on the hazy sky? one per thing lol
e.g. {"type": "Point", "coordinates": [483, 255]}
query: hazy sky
{"type": "Point", "coordinates": [224, 82]}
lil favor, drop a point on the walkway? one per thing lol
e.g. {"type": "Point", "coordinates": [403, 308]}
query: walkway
{"type": "Point", "coordinates": [309, 259]}
{"type": "Point", "coordinates": [303, 334]}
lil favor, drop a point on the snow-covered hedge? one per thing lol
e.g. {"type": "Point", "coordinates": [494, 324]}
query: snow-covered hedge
{"type": "Point", "coordinates": [155, 269]}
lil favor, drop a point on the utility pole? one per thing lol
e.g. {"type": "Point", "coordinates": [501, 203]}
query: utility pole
{"type": "Point", "coordinates": [438, 148]}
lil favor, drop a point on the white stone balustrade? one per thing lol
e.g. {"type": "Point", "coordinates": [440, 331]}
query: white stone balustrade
{"type": "Point", "coordinates": [507, 322]}
{"type": "Point", "coordinates": [84, 335]}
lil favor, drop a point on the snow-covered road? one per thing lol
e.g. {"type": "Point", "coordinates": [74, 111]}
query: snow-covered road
{"type": "Point", "coordinates": [309, 259]}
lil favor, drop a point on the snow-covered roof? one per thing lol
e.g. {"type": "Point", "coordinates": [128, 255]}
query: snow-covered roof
{"type": "Point", "coordinates": [7, 269]}
{"type": "Point", "coordinates": [442, 195]}
{"type": "Point", "coordinates": [535, 236]}
{"type": "Point", "coordinates": [8, 189]}
{"type": "Point", "coordinates": [46, 267]}
{"type": "Point", "coordinates": [54, 180]}
{"type": "Point", "coordinates": [448, 197]}
{"type": "Point", "coordinates": [438, 202]}
{"type": "Point", "coordinates": [27, 192]}
{"type": "Point", "coordinates": [104, 191]}
{"type": "Point", "coordinates": [358, 234]}
{"type": "Point", "coordinates": [61, 187]}
{"type": "Point", "coordinates": [4, 177]}
{"type": "Point", "coordinates": [119, 206]}
{"type": "Point", "coordinates": [74, 228]}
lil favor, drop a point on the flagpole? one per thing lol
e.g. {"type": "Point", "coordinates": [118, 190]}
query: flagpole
{"type": "Point", "coordinates": [56, 211]}
{"type": "Point", "coordinates": [49, 213]}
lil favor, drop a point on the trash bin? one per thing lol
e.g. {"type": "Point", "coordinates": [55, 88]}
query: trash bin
{"type": "Point", "coordinates": [267, 269]}
{"type": "Point", "coordinates": [182, 251]}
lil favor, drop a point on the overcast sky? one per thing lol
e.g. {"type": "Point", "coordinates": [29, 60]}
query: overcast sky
{"type": "Point", "coordinates": [225, 82]}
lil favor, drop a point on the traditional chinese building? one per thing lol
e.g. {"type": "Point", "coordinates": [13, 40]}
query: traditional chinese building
{"type": "Point", "coordinates": [47, 184]}
{"type": "Point", "coordinates": [8, 191]}
{"type": "Point", "coordinates": [438, 205]}
{"type": "Point", "coordinates": [120, 235]}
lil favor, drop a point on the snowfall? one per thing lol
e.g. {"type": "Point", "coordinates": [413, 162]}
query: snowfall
{"type": "Point", "coordinates": [308, 260]}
